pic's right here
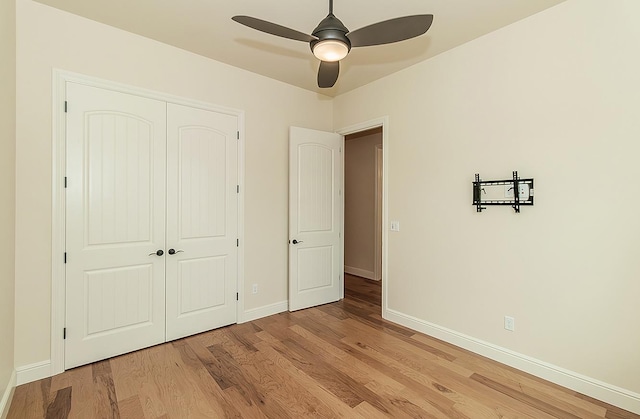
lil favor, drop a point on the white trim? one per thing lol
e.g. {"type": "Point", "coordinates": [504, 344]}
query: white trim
{"type": "Point", "coordinates": [359, 272]}
{"type": "Point", "coordinates": [241, 173]}
{"type": "Point", "coordinates": [5, 402]}
{"type": "Point", "coordinates": [608, 393]}
{"type": "Point", "coordinates": [33, 372]}
{"type": "Point", "coordinates": [377, 228]}
{"type": "Point", "coordinates": [343, 153]}
{"type": "Point", "coordinates": [58, 221]}
{"type": "Point", "coordinates": [265, 311]}
{"type": "Point", "coordinates": [363, 126]}
{"type": "Point", "coordinates": [58, 304]}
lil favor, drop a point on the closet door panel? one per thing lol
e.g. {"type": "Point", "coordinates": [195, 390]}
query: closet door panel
{"type": "Point", "coordinates": [201, 220]}
{"type": "Point", "coordinates": [116, 166]}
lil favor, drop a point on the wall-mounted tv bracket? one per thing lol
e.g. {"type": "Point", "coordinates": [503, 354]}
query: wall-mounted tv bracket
{"type": "Point", "coordinates": [516, 192]}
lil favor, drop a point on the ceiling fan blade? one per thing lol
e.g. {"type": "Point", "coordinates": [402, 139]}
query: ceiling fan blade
{"type": "Point", "coordinates": [273, 28]}
{"type": "Point", "coordinates": [389, 31]}
{"type": "Point", "coordinates": [328, 73]}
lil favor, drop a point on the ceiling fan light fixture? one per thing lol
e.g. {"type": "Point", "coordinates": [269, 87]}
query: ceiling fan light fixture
{"type": "Point", "coordinates": [330, 50]}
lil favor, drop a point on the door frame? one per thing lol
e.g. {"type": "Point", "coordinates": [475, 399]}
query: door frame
{"type": "Point", "coordinates": [58, 203]}
{"type": "Point", "coordinates": [377, 247]}
{"type": "Point", "coordinates": [364, 126]}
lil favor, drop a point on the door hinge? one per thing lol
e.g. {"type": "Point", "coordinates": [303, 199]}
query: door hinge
{"type": "Point", "coordinates": [237, 135]}
{"type": "Point", "coordinates": [64, 333]}
{"type": "Point", "coordinates": [65, 106]}
{"type": "Point", "coordinates": [237, 296]}
{"type": "Point", "coordinates": [65, 257]}
{"type": "Point", "coordinates": [237, 242]}
{"type": "Point", "coordinates": [237, 188]}
{"type": "Point", "coordinates": [65, 182]}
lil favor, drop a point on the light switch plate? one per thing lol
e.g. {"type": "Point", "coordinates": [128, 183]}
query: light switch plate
{"type": "Point", "coordinates": [395, 225]}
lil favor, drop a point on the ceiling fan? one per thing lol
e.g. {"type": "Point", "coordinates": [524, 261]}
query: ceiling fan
{"type": "Point", "coordinates": [331, 41]}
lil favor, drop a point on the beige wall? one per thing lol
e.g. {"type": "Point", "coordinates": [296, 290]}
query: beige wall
{"type": "Point", "coordinates": [49, 38]}
{"type": "Point", "coordinates": [7, 189]}
{"type": "Point", "coordinates": [556, 97]}
{"type": "Point", "coordinates": [359, 206]}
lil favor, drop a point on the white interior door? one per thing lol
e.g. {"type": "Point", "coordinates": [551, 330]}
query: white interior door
{"type": "Point", "coordinates": [116, 156]}
{"type": "Point", "coordinates": [202, 219]}
{"type": "Point", "coordinates": [315, 217]}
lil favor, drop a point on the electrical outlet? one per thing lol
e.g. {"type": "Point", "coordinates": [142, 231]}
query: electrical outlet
{"type": "Point", "coordinates": [509, 323]}
{"type": "Point", "coordinates": [254, 289]}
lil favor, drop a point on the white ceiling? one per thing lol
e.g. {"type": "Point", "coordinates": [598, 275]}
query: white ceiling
{"type": "Point", "coordinates": [205, 27]}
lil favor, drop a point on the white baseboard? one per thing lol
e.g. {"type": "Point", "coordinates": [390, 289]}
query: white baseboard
{"type": "Point", "coordinates": [5, 402]}
{"type": "Point", "coordinates": [264, 311]}
{"type": "Point", "coordinates": [359, 272]}
{"type": "Point", "coordinates": [608, 393]}
{"type": "Point", "coordinates": [33, 372]}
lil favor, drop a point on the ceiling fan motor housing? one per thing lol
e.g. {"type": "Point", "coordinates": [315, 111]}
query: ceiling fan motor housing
{"type": "Point", "coordinates": [331, 28]}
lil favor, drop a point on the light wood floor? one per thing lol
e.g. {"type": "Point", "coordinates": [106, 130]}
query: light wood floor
{"type": "Point", "coordinates": [337, 360]}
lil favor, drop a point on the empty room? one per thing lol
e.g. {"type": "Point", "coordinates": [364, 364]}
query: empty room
{"type": "Point", "coordinates": [176, 196]}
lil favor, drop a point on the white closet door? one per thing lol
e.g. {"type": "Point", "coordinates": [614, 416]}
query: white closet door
{"type": "Point", "coordinates": [202, 212]}
{"type": "Point", "coordinates": [116, 166]}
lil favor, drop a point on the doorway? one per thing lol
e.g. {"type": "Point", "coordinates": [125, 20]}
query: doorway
{"type": "Point", "coordinates": [363, 206]}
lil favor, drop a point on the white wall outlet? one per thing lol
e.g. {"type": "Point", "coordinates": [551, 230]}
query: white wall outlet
{"type": "Point", "coordinates": [254, 289]}
{"type": "Point", "coordinates": [509, 323]}
{"type": "Point", "coordinates": [395, 225]}
{"type": "Point", "coordinates": [523, 192]}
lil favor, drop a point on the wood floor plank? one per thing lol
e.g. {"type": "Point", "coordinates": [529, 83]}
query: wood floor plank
{"type": "Point", "coordinates": [340, 360]}
{"type": "Point", "coordinates": [192, 349]}
{"type": "Point", "coordinates": [131, 408]}
{"type": "Point", "coordinates": [188, 397]}
{"type": "Point", "coordinates": [252, 392]}
{"type": "Point", "coordinates": [61, 406]}
{"type": "Point", "coordinates": [263, 371]}
{"type": "Point", "coordinates": [202, 380]}
{"type": "Point", "coordinates": [105, 400]}
{"type": "Point", "coordinates": [137, 374]}
{"type": "Point", "coordinates": [536, 403]}
{"type": "Point", "coordinates": [337, 406]}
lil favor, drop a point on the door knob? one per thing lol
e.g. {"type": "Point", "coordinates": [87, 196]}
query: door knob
{"type": "Point", "coordinates": [174, 251]}
{"type": "Point", "coordinates": [296, 241]}
{"type": "Point", "coordinates": [158, 253]}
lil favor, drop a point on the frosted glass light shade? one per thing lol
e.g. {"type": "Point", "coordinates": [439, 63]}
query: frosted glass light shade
{"type": "Point", "coordinates": [330, 50]}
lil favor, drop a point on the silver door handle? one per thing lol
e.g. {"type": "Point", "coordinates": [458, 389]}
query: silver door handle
{"type": "Point", "coordinates": [173, 251]}
{"type": "Point", "coordinates": [160, 252]}
{"type": "Point", "coordinates": [296, 241]}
